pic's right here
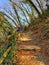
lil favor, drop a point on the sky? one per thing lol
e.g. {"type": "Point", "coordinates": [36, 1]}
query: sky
{"type": "Point", "coordinates": [5, 4]}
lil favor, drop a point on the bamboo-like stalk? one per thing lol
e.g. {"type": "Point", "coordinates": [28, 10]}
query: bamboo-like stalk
{"type": "Point", "coordinates": [5, 55]}
{"type": "Point", "coordinates": [20, 9]}
{"type": "Point", "coordinates": [12, 15]}
{"type": "Point", "coordinates": [26, 12]}
{"type": "Point", "coordinates": [9, 45]}
{"type": "Point", "coordinates": [40, 7]}
{"type": "Point", "coordinates": [5, 20]}
{"type": "Point", "coordinates": [24, 7]}
{"type": "Point", "coordinates": [17, 15]}
{"type": "Point", "coordinates": [8, 50]}
{"type": "Point", "coordinates": [34, 7]}
{"type": "Point", "coordinates": [8, 17]}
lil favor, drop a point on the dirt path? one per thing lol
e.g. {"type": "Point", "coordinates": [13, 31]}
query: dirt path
{"type": "Point", "coordinates": [28, 58]}
{"type": "Point", "coordinates": [32, 52]}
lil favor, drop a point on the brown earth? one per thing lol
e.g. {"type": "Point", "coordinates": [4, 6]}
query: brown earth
{"type": "Point", "coordinates": [33, 46]}
{"type": "Point", "coordinates": [33, 52]}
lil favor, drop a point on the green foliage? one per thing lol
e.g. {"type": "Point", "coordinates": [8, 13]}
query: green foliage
{"type": "Point", "coordinates": [10, 56]}
{"type": "Point", "coordinates": [7, 38]}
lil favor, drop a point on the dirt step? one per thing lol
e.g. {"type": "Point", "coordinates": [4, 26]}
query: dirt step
{"type": "Point", "coordinates": [27, 58]}
{"type": "Point", "coordinates": [28, 47]}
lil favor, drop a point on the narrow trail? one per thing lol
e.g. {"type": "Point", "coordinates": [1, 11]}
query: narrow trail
{"type": "Point", "coordinates": [36, 50]}
{"type": "Point", "coordinates": [32, 52]}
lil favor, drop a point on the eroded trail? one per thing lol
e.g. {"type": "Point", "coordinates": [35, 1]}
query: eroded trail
{"type": "Point", "coordinates": [28, 58]}
{"type": "Point", "coordinates": [32, 52]}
